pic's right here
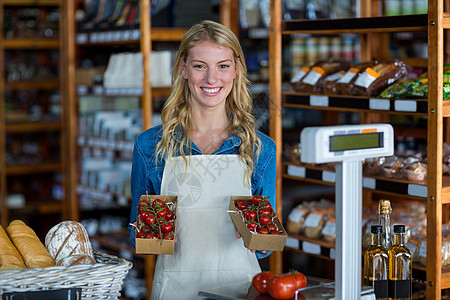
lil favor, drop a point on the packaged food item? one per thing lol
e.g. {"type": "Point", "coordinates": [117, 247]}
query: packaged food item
{"type": "Point", "coordinates": [413, 245]}
{"type": "Point", "coordinates": [329, 230]}
{"type": "Point", "coordinates": [416, 172]}
{"type": "Point", "coordinates": [156, 224]}
{"type": "Point", "coordinates": [312, 81]}
{"type": "Point", "coordinates": [329, 83]}
{"type": "Point", "coordinates": [296, 219]}
{"type": "Point", "coordinates": [344, 85]}
{"type": "Point", "coordinates": [301, 72]}
{"type": "Point", "coordinates": [314, 223]}
{"type": "Point", "coordinates": [392, 166]}
{"type": "Point", "coordinates": [373, 80]}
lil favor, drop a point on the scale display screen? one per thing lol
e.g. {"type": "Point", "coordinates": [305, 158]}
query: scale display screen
{"type": "Point", "coordinates": [346, 142]}
{"type": "Point", "coordinates": [356, 141]}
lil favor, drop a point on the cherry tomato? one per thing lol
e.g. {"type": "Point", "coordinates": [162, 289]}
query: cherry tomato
{"type": "Point", "coordinates": [166, 227]}
{"type": "Point", "coordinates": [264, 220]}
{"type": "Point", "coordinates": [241, 204]}
{"type": "Point", "coordinates": [264, 212]}
{"type": "Point", "coordinates": [149, 236]}
{"type": "Point", "coordinates": [259, 281]}
{"type": "Point", "coordinates": [274, 232]}
{"type": "Point", "coordinates": [250, 215]}
{"type": "Point", "coordinates": [262, 230]}
{"type": "Point", "coordinates": [252, 225]}
{"type": "Point", "coordinates": [300, 278]}
{"type": "Point", "coordinates": [158, 203]}
{"type": "Point", "coordinates": [168, 236]}
{"type": "Point", "coordinates": [169, 215]}
{"type": "Point", "coordinates": [256, 199]}
{"type": "Point", "coordinates": [272, 226]}
{"type": "Point", "coordinates": [150, 219]}
{"type": "Point", "coordinates": [140, 235]}
{"type": "Point", "coordinates": [265, 204]}
{"type": "Point", "coordinates": [281, 286]}
{"type": "Point", "coordinates": [162, 212]}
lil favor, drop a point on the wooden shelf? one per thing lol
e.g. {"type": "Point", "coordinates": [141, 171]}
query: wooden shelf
{"type": "Point", "coordinates": [32, 2]}
{"type": "Point", "coordinates": [48, 167]}
{"type": "Point", "coordinates": [357, 104]}
{"type": "Point", "coordinates": [358, 25]}
{"type": "Point", "coordinates": [412, 190]}
{"type": "Point", "coordinates": [33, 127]}
{"type": "Point", "coordinates": [32, 44]}
{"type": "Point", "coordinates": [36, 84]}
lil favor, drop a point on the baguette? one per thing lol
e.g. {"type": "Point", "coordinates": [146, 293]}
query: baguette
{"type": "Point", "coordinates": [10, 258]}
{"type": "Point", "coordinates": [30, 247]}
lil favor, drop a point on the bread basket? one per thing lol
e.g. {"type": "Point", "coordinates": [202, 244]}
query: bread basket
{"type": "Point", "coordinates": [102, 280]}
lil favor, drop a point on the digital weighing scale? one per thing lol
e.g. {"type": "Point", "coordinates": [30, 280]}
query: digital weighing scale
{"type": "Point", "coordinates": [348, 146]}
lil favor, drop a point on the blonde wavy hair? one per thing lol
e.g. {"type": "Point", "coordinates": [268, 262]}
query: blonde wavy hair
{"type": "Point", "coordinates": [177, 114]}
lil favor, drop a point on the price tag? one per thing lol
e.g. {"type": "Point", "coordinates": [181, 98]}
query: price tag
{"type": "Point", "coordinates": [369, 183]}
{"type": "Point", "coordinates": [417, 190]}
{"type": "Point", "coordinates": [296, 171]}
{"type": "Point", "coordinates": [379, 104]}
{"type": "Point", "coordinates": [58, 294]}
{"type": "Point", "coordinates": [292, 243]}
{"type": "Point", "coordinates": [311, 248]}
{"type": "Point", "coordinates": [315, 100]}
{"type": "Point", "coordinates": [405, 105]}
{"type": "Point", "coordinates": [328, 176]}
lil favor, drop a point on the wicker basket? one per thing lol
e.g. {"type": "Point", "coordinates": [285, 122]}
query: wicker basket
{"type": "Point", "coordinates": [102, 280]}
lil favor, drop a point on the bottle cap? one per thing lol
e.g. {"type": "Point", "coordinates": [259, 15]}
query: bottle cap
{"type": "Point", "coordinates": [376, 229]}
{"type": "Point", "coordinates": [384, 207]}
{"type": "Point", "coordinates": [399, 228]}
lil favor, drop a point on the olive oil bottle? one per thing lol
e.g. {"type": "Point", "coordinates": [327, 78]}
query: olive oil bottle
{"type": "Point", "coordinates": [376, 263]}
{"type": "Point", "coordinates": [400, 266]}
{"type": "Point", "coordinates": [384, 211]}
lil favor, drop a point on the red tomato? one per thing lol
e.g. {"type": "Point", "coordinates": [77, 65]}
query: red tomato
{"type": "Point", "coordinates": [250, 215]}
{"type": "Point", "coordinates": [265, 204]}
{"type": "Point", "coordinates": [274, 232]}
{"type": "Point", "coordinates": [256, 199]}
{"type": "Point", "coordinates": [166, 227]}
{"type": "Point", "coordinates": [162, 212]}
{"type": "Point", "coordinates": [259, 281]}
{"type": "Point", "coordinates": [264, 212]}
{"type": "Point", "coordinates": [262, 230]}
{"type": "Point", "coordinates": [149, 236]}
{"type": "Point", "coordinates": [140, 235]}
{"type": "Point", "coordinates": [252, 225]}
{"type": "Point", "coordinates": [168, 236]}
{"type": "Point", "coordinates": [300, 278]}
{"type": "Point", "coordinates": [150, 219]}
{"type": "Point", "coordinates": [169, 215]}
{"type": "Point", "coordinates": [272, 226]}
{"type": "Point", "coordinates": [158, 203]}
{"type": "Point", "coordinates": [241, 204]}
{"type": "Point", "coordinates": [264, 220]}
{"type": "Point", "coordinates": [281, 286]}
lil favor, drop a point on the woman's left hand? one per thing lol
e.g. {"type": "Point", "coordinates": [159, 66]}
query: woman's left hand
{"type": "Point", "coordinates": [239, 236]}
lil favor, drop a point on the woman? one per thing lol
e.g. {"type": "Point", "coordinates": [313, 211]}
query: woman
{"type": "Point", "coordinates": [206, 150]}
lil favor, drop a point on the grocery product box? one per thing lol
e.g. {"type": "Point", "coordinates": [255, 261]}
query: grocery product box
{"type": "Point", "coordinates": [252, 239]}
{"type": "Point", "coordinates": [156, 245]}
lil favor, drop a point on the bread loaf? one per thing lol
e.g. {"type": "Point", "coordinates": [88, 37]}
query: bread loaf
{"type": "Point", "coordinates": [30, 247]}
{"type": "Point", "coordinates": [69, 238]}
{"type": "Point", "coordinates": [10, 258]}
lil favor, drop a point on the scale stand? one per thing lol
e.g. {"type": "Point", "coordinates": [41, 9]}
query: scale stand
{"type": "Point", "coordinates": [348, 146]}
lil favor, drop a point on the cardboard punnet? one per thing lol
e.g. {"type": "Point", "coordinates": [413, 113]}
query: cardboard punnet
{"type": "Point", "coordinates": [155, 246]}
{"type": "Point", "coordinates": [255, 241]}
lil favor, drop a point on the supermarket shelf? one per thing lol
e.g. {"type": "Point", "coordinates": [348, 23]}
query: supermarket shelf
{"type": "Point", "coordinates": [129, 36]}
{"type": "Point", "coordinates": [106, 144]}
{"type": "Point", "coordinates": [31, 2]}
{"type": "Point", "coordinates": [32, 127]}
{"type": "Point", "coordinates": [358, 25]}
{"type": "Point", "coordinates": [157, 92]}
{"type": "Point", "coordinates": [350, 103]}
{"type": "Point", "coordinates": [46, 167]}
{"type": "Point", "coordinates": [31, 43]}
{"type": "Point", "coordinates": [394, 186]}
{"type": "Point", "coordinates": [37, 84]}
{"type": "Point", "coordinates": [105, 197]}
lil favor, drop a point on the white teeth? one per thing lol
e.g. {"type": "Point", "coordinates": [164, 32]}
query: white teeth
{"type": "Point", "coordinates": [211, 90]}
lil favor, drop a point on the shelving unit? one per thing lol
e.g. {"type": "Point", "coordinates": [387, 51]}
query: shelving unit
{"type": "Point", "coordinates": [436, 191]}
{"type": "Point", "coordinates": [32, 109]}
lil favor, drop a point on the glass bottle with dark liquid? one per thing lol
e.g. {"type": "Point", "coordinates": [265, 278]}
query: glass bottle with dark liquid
{"type": "Point", "coordinates": [400, 266]}
{"type": "Point", "coordinates": [376, 262]}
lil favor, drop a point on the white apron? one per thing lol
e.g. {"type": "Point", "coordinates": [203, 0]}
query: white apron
{"type": "Point", "coordinates": [207, 253]}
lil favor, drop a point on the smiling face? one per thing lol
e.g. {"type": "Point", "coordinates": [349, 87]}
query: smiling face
{"type": "Point", "coordinates": [209, 69]}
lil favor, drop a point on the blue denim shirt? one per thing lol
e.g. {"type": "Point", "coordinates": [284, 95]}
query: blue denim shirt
{"type": "Point", "coordinates": [146, 174]}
